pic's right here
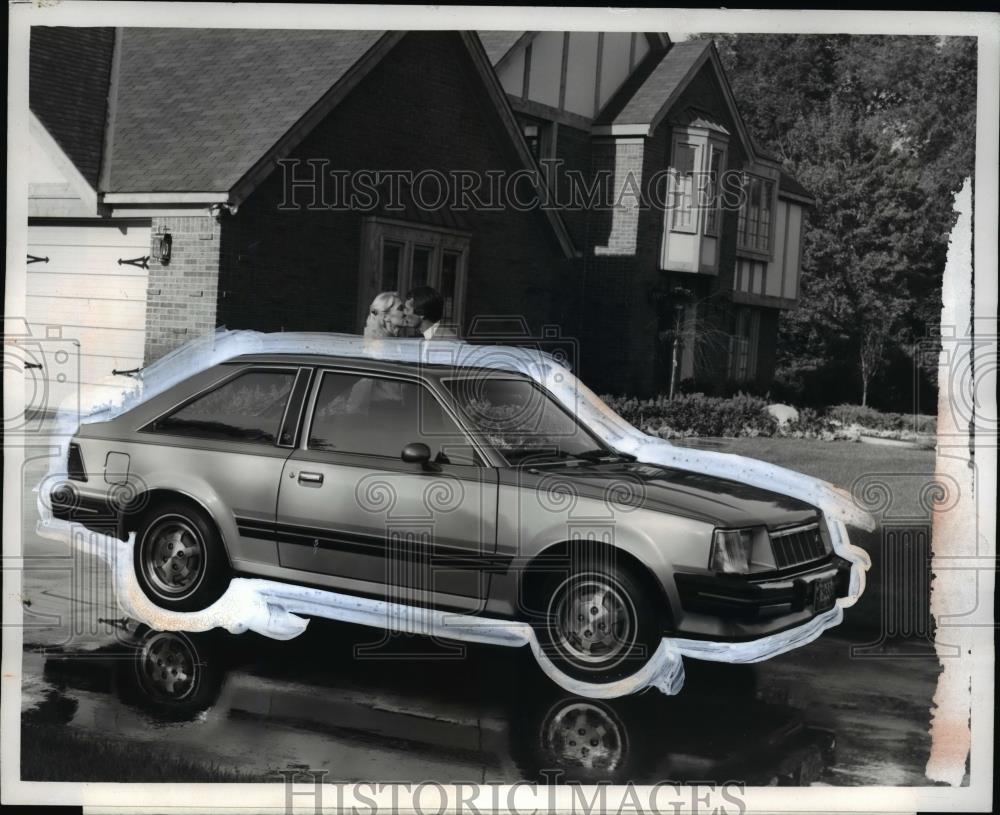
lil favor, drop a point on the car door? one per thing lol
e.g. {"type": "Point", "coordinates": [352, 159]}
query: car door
{"type": "Point", "coordinates": [354, 516]}
{"type": "Point", "coordinates": [228, 443]}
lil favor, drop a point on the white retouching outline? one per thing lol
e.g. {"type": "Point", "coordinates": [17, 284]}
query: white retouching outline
{"type": "Point", "coordinates": [271, 608]}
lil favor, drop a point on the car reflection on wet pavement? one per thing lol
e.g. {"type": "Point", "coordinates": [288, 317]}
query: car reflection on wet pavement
{"type": "Point", "coordinates": [259, 705]}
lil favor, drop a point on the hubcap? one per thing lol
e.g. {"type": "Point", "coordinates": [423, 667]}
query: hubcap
{"type": "Point", "coordinates": [173, 557]}
{"type": "Point", "coordinates": [582, 734]}
{"type": "Point", "coordinates": [594, 621]}
{"type": "Point", "coordinates": [168, 666]}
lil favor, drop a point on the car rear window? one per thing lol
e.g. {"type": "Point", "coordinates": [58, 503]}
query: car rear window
{"type": "Point", "coordinates": [247, 408]}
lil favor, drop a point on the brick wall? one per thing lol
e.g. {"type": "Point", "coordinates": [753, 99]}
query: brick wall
{"type": "Point", "coordinates": [624, 353]}
{"type": "Point", "coordinates": [181, 296]}
{"type": "Point", "coordinates": [573, 149]}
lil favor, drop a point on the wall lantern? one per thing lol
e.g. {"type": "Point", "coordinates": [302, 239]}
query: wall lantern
{"type": "Point", "coordinates": [161, 247]}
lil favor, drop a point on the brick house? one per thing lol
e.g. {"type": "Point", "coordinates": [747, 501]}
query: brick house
{"type": "Point", "coordinates": [237, 145]}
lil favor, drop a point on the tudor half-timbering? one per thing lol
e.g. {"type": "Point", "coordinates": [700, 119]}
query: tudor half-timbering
{"type": "Point", "coordinates": [714, 257]}
{"type": "Point", "coordinates": [161, 204]}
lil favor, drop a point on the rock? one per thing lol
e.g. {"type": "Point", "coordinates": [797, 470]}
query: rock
{"type": "Point", "coordinates": [783, 414]}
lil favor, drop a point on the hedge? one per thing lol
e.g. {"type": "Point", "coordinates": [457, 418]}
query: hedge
{"type": "Point", "coordinates": [745, 415]}
{"type": "Point", "coordinates": [695, 414]}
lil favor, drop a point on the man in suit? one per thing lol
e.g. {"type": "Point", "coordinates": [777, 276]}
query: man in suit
{"type": "Point", "coordinates": [423, 309]}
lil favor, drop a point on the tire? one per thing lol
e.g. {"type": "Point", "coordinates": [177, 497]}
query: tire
{"type": "Point", "coordinates": [179, 559]}
{"type": "Point", "coordinates": [600, 623]}
{"type": "Point", "coordinates": [170, 677]}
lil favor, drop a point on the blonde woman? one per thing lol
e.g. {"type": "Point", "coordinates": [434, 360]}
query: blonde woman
{"type": "Point", "coordinates": [385, 320]}
{"type": "Point", "coordinates": [385, 316]}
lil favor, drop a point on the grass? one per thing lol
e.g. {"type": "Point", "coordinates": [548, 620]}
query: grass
{"type": "Point", "coordinates": [840, 462]}
{"type": "Point", "coordinates": [56, 753]}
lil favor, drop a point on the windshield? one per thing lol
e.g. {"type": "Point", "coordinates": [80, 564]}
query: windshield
{"type": "Point", "coordinates": [522, 421]}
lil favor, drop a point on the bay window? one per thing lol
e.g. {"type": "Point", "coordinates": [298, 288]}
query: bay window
{"type": "Point", "coordinates": [686, 163]}
{"type": "Point", "coordinates": [713, 203]}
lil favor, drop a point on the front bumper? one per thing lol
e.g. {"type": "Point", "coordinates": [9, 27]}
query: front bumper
{"type": "Point", "coordinates": [737, 608]}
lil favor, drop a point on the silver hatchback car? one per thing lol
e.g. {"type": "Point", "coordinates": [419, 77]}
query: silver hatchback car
{"type": "Point", "coordinates": [461, 489]}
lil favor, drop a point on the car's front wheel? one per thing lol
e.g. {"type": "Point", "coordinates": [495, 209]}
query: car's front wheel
{"type": "Point", "coordinates": [600, 624]}
{"type": "Point", "coordinates": [179, 558]}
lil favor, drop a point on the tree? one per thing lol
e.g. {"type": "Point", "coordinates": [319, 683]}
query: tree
{"type": "Point", "coordinates": [881, 131]}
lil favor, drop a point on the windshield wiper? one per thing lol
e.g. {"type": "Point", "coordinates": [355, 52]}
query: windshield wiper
{"type": "Point", "coordinates": [604, 454]}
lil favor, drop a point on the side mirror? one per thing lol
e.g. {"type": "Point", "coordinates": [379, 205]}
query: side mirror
{"type": "Point", "coordinates": [416, 453]}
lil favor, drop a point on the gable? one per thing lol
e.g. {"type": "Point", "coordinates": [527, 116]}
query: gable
{"type": "Point", "coordinates": [576, 72]}
{"type": "Point", "coordinates": [641, 110]}
{"type": "Point", "coordinates": [56, 188]}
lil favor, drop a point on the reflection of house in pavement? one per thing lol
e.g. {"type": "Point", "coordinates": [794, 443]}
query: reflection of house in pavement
{"type": "Point", "coordinates": [137, 133]}
{"type": "Point", "coordinates": [259, 706]}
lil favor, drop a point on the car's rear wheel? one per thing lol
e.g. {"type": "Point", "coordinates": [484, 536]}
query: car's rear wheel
{"type": "Point", "coordinates": [179, 558]}
{"type": "Point", "coordinates": [170, 676]}
{"type": "Point", "coordinates": [600, 623]}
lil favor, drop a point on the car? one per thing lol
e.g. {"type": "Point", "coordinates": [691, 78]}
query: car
{"type": "Point", "coordinates": [463, 489]}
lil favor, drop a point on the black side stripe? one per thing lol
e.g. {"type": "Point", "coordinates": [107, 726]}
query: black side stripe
{"type": "Point", "coordinates": [442, 555]}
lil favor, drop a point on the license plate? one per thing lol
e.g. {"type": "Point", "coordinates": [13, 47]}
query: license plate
{"type": "Point", "coordinates": [823, 595]}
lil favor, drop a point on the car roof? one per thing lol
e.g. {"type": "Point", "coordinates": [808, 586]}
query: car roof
{"type": "Point", "coordinates": [380, 365]}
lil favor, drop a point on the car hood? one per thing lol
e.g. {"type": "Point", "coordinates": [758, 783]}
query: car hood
{"type": "Point", "coordinates": [680, 492]}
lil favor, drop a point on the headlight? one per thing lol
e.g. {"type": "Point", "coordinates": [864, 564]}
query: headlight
{"type": "Point", "coordinates": [732, 551]}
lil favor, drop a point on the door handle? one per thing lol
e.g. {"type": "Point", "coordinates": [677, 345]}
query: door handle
{"type": "Point", "coordinates": [310, 478]}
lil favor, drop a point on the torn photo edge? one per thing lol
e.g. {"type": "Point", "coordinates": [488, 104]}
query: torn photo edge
{"type": "Point", "coordinates": [964, 536]}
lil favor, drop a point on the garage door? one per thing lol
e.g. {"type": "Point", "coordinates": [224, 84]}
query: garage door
{"type": "Point", "coordinates": [87, 308]}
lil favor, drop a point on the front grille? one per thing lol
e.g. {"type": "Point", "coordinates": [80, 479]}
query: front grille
{"type": "Point", "coordinates": [800, 544]}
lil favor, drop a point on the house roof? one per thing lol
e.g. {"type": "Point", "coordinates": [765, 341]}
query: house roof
{"type": "Point", "coordinates": [644, 104]}
{"type": "Point", "coordinates": [200, 106]}
{"type": "Point", "coordinates": [69, 97]}
{"type": "Point", "coordinates": [693, 117]}
{"type": "Point", "coordinates": [498, 43]}
{"type": "Point", "coordinates": [787, 185]}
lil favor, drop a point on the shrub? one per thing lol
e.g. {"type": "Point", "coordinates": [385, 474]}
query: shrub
{"type": "Point", "coordinates": [697, 415]}
{"type": "Point", "coordinates": [814, 424]}
{"type": "Point", "coordinates": [871, 419]}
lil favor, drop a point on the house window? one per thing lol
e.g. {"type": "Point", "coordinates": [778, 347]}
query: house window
{"type": "Point", "coordinates": [686, 163]}
{"type": "Point", "coordinates": [712, 202]}
{"type": "Point", "coordinates": [540, 138]}
{"type": "Point", "coordinates": [750, 276]}
{"type": "Point", "coordinates": [534, 140]}
{"type": "Point", "coordinates": [743, 345]}
{"type": "Point", "coordinates": [755, 221]}
{"type": "Point", "coordinates": [401, 256]}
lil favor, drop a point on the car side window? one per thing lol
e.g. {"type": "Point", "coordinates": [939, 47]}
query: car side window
{"type": "Point", "coordinates": [376, 416]}
{"type": "Point", "coordinates": [247, 408]}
